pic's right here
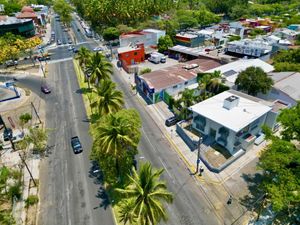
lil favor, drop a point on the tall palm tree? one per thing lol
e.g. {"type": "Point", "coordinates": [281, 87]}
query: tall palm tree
{"type": "Point", "coordinates": [148, 193]}
{"type": "Point", "coordinates": [109, 99]}
{"type": "Point", "coordinates": [117, 135]}
{"type": "Point", "coordinates": [83, 56]}
{"type": "Point", "coordinates": [98, 68]}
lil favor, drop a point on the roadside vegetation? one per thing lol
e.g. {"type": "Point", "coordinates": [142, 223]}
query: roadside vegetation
{"type": "Point", "coordinates": [14, 46]}
{"type": "Point", "coordinates": [280, 162]}
{"type": "Point", "coordinates": [116, 133]}
{"type": "Point", "coordinates": [10, 190]}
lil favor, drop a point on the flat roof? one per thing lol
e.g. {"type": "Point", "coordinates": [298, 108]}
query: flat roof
{"type": "Point", "coordinates": [234, 119]}
{"type": "Point", "coordinates": [126, 49]}
{"type": "Point", "coordinates": [7, 20]}
{"type": "Point", "coordinates": [186, 35]}
{"type": "Point", "coordinates": [153, 30]}
{"type": "Point", "coordinates": [287, 82]}
{"type": "Point", "coordinates": [173, 75]}
{"type": "Point", "coordinates": [231, 70]}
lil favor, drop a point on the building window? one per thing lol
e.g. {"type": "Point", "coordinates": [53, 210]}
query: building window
{"type": "Point", "coordinates": [200, 122]}
{"type": "Point", "coordinates": [175, 86]}
{"type": "Point", "coordinates": [185, 83]}
{"type": "Point", "coordinates": [135, 53]}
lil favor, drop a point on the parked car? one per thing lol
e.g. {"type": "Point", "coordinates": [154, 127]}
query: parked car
{"type": "Point", "coordinates": [58, 42]}
{"type": "Point", "coordinates": [45, 89]}
{"type": "Point", "coordinates": [98, 49]}
{"type": "Point", "coordinates": [70, 41]}
{"type": "Point", "coordinates": [76, 145]}
{"type": "Point", "coordinates": [43, 58]}
{"type": "Point", "coordinates": [171, 121]}
{"type": "Point", "coordinates": [9, 63]}
{"type": "Point", "coordinates": [7, 134]}
{"type": "Point", "coordinates": [71, 48]}
{"type": "Point", "coordinates": [64, 42]}
{"type": "Point", "coordinates": [75, 50]}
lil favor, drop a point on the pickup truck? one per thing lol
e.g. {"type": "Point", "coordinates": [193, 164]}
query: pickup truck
{"type": "Point", "coordinates": [76, 145]}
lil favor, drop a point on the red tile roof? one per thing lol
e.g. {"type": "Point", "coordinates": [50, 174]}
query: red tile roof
{"type": "Point", "coordinates": [173, 75]}
{"type": "Point", "coordinates": [26, 15]}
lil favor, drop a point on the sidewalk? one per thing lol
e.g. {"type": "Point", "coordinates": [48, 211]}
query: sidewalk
{"type": "Point", "coordinates": [160, 113]}
{"type": "Point", "coordinates": [218, 186]}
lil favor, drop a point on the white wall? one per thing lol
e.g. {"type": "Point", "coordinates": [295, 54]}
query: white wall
{"type": "Point", "coordinates": [180, 87]}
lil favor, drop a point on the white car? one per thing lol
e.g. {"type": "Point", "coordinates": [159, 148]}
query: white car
{"type": "Point", "coordinates": [71, 48]}
{"type": "Point", "coordinates": [98, 49]}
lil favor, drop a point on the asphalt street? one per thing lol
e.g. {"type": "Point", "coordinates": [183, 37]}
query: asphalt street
{"type": "Point", "coordinates": [70, 192]}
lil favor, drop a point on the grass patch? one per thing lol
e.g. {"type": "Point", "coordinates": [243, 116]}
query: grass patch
{"type": "Point", "coordinates": [87, 94]}
{"type": "Point", "coordinates": [31, 200]}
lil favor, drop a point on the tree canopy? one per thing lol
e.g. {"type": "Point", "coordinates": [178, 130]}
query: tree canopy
{"type": "Point", "coordinates": [287, 60]}
{"type": "Point", "coordinates": [144, 197]}
{"type": "Point", "coordinates": [290, 122]}
{"type": "Point", "coordinates": [164, 43]}
{"type": "Point", "coordinates": [281, 164]}
{"type": "Point", "coordinates": [254, 80]}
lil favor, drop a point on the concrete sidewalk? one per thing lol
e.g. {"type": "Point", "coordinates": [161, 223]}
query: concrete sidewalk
{"type": "Point", "coordinates": [217, 187]}
{"type": "Point", "coordinates": [160, 113]}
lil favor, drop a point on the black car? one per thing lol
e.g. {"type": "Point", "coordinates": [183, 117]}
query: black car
{"type": "Point", "coordinates": [45, 89]}
{"type": "Point", "coordinates": [76, 145]}
{"type": "Point", "coordinates": [7, 134]}
{"type": "Point", "coordinates": [75, 50]}
{"type": "Point", "coordinates": [171, 121]}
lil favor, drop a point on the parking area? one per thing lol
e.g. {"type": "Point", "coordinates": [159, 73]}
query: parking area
{"type": "Point", "coordinates": [153, 66]}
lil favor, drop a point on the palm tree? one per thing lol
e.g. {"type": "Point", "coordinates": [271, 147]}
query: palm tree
{"type": "Point", "coordinates": [109, 99]}
{"type": "Point", "coordinates": [117, 135]}
{"type": "Point", "coordinates": [83, 56]}
{"type": "Point", "coordinates": [148, 193]}
{"type": "Point", "coordinates": [187, 98]}
{"type": "Point", "coordinates": [98, 67]}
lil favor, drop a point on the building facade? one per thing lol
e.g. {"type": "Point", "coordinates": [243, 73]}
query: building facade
{"type": "Point", "coordinates": [24, 27]}
{"type": "Point", "coordinates": [234, 119]}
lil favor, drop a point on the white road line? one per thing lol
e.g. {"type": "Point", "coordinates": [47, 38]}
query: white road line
{"type": "Point", "coordinates": [165, 167]}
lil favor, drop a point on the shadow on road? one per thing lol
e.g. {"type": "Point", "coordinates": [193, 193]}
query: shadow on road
{"type": "Point", "coordinates": [84, 91]}
{"type": "Point", "coordinates": [253, 200]}
{"type": "Point", "coordinates": [97, 176]}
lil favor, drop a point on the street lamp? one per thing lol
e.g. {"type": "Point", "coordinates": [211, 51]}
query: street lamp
{"type": "Point", "coordinates": [198, 155]}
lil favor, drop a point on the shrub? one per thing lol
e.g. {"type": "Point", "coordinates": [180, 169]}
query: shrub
{"type": "Point", "coordinates": [145, 70]}
{"type": "Point", "coordinates": [31, 200]}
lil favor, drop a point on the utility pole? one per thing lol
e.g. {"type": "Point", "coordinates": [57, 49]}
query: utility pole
{"type": "Point", "coordinates": [36, 112]}
{"type": "Point", "coordinates": [14, 148]}
{"type": "Point", "coordinates": [198, 155]}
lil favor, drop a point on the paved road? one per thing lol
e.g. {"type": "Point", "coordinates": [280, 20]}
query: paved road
{"type": "Point", "coordinates": [69, 194]}
{"type": "Point", "coordinates": [191, 205]}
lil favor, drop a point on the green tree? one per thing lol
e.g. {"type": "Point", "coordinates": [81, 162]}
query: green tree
{"type": "Point", "coordinates": [290, 123]}
{"type": "Point", "coordinates": [109, 100]}
{"type": "Point", "coordinates": [38, 138]}
{"type": "Point", "coordinates": [187, 99]}
{"type": "Point", "coordinates": [98, 67]}
{"type": "Point", "coordinates": [111, 33]}
{"type": "Point", "coordinates": [145, 70]}
{"type": "Point", "coordinates": [280, 162]}
{"type": "Point", "coordinates": [64, 10]}
{"type": "Point", "coordinates": [24, 119]}
{"type": "Point", "coordinates": [146, 194]}
{"type": "Point", "coordinates": [254, 80]}
{"type": "Point", "coordinates": [83, 56]}
{"type": "Point", "coordinates": [164, 43]}
{"type": "Point", "coordinates": [116, 137]}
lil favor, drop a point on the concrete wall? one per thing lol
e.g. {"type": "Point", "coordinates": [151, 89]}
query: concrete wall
{"type": "Point", "coordinates": [275, 94]}
{"type": "Point", "coordinates": [180, 87]}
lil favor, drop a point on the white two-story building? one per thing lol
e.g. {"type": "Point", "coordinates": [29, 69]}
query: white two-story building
{"type": "Point", "coordinates": [234, 119]}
